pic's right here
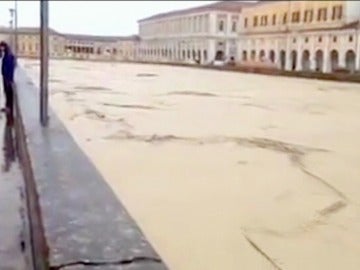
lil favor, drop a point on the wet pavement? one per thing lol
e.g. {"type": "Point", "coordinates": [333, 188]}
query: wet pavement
{"type": "Point", "coordinates": [12, 204]}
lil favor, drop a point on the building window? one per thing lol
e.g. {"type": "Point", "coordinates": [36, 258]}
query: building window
{"type": "Point", "coordinates": [233, 27]}
{"type": "Point", "coordinates": [308, 16]}
{"type": "Point", "coordinates": [351, 38]}
{"type": "Point", "coordinates": [294, 40]}
{"type": "Point", "coordinates": [337, 13]}
{"type": "Point", "coordinates": [334, 39]}
{"type": "Point", "coordinates": [285, 18]}
{"type": "Point", "coordinates": [255, 21]}
{"type": "Point", "coordinates": [263, 20]}
{"type": "Point", "coordinates": [246, 22]}
{"type": "Point", "coordinates": [221, 26]}
{"type": "Point", "coordinates": [322, 14]}
{"type": "Point", "coordinates": [306, 40]}
{"type": "Point", "coordinates": [274, 19]}
{"type": "Point", "coordinates": [295, 17]}
{"type": "Point", "coordinates": [244, 56]}
{"type": "Point", "coordinates": [320, 39]}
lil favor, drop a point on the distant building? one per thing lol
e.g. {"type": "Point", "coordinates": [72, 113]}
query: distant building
{"type": "Point", "coordinates": [73, 46]}
{"type": "Point", "coordinates": [321, 36]}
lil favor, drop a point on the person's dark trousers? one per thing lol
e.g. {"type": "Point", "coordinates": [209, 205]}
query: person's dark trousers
{"type": "Point", "coordinates": [9, 97]}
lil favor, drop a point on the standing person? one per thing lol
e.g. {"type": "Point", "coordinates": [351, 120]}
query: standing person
{"type": "Point", "coordinates": [7, 71]}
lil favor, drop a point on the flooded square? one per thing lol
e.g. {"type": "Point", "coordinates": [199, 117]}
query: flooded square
{"type": "Point", "coordinates": [222, 170]}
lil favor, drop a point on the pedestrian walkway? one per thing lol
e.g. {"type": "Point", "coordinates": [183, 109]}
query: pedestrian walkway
{"type": "Point", "coordinates": [12, 202]}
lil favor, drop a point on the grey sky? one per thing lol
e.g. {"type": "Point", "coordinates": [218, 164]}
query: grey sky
{"type": "Point", "coordinates": [92, 17]}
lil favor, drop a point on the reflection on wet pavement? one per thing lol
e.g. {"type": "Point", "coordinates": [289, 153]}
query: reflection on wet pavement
{"type": "Point", "coordinates": [12, 221]}
{"type": "Point", "coordinates": [8, 148]}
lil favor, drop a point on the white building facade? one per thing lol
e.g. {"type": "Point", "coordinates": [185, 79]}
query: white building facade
{"type": "Point", "coordinates": [321, 36]}
{"type": "Point", "coordinates": [198, 35]}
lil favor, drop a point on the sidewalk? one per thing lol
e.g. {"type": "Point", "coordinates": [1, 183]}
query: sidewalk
{"type": "Point", "coordinates": [12, 211]}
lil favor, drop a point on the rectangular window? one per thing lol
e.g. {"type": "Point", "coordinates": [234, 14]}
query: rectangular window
{"type": "Point", "coordinates": [265, 20]}
{"type": "Point", "coordinates": [285, 18]}
{"type": "Point", "coordinates": [234, 26]}
{"type": "Point", "coordinates": [337, 13]}
{"type": "Point", "coordinates": [311, 15]}
{"type": "Point", "coordinates": [295, 17]}
{"type": "Point", "coordinates": [274, 19]}
{"type": "Point", "coordinates": [255, 21]}
{"type": "Point", "coordinates": [306, 16]}
{"type": "Point", "coordinates": [322, 14]}
{"type": "Point", "coordinates": [221, 26]}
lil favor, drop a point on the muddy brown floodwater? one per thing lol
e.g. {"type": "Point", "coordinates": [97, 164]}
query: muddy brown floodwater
{"type": "Point", "coordinates": [222, 170]}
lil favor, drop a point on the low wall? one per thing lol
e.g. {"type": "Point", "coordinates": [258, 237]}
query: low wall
{"type": "Point", "coordinates": [76, 221]}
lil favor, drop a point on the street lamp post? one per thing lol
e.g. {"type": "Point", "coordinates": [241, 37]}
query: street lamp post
{"type": "Point", "coordinates": [12, 40]}
{"type": "Point", "coordinates": [44, 61]}
{"type": "Point", "coordinates": [15, 48]}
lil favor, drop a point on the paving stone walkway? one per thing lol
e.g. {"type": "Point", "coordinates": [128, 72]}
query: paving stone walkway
{"type": "Point", "coordinates": [13, 233]}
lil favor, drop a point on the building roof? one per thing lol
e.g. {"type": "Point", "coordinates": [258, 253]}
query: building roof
{"type": "Point", "coordinates": [264, 2]}
{"type": "Point", "coordinates": [36, 31]}
{"type": "Point", "coordinates": [349, 26]}
{"type": "Point", "coordinates": [229, 6]}
{"type": "Point", "coordinates": [355, 24]}
{"type": "Point", "coordinates": [99, 38]}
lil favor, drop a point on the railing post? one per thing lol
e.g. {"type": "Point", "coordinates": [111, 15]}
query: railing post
{"type": "Point", "coordinates": [44, 61]}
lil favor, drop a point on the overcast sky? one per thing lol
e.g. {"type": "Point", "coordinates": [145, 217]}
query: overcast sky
{"type": "Point", "coordinates": [92, 17]}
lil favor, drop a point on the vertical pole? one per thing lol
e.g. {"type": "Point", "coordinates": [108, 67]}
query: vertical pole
{"type": "Point", "coordinates": [12, 36]}
{"type": "Point", "coordinates": [357, 48]}
{"type": "Point", "coordinates": [44, 61]}
{"type": "Point", "coordinates": [15, 48]}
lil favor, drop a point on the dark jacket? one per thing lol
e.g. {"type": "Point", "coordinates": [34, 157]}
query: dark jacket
{"type": "Point", "coordinates": [8, 65]}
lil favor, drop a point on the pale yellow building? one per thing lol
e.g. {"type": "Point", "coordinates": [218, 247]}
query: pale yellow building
{"type": "Point", "coordinates": [72, 46]}
{"type": "Point", "coordinates": [302, 35]}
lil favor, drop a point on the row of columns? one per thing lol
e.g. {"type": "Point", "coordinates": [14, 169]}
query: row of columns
{"type": "Point", "coordinates": [175, 52]}
{"type": "Point", "coordinates": [320, 60]}
{"type": "Point", "coordinates": [286, 44]}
